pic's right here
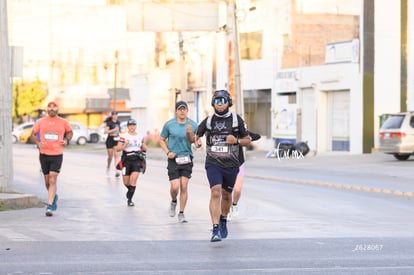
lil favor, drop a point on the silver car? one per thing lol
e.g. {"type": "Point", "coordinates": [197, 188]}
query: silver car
{"type": "Point", "coordinates": [18, 130]}
{"type": "Point", "coordinates": [80, 133]}
{"type": "Point", "coordinates": [396, 135]}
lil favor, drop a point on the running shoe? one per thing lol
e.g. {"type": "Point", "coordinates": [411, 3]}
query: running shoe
{"type": "Point", "coordinates": [181, 217]}
{"type": "Point", "coordinates": [223, 228]}
{"type": "Point", "coordinates": [54, 204]}
{"type": "Point", "coordinates": [131, 203]}
{"type": "Point", "coordinates": [234, 212]}
{"type": "Point", "coordinates": [49, 210]}
{"type": "Point", "coordinates": [171, 210]}
{"type": "Point", "coordinates": [229, 215]}
{"type": "Point", "coordinates": [216, 237]}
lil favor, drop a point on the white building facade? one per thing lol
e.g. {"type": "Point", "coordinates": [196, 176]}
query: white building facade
{"type": "Point", "coordinates": [322, 105]}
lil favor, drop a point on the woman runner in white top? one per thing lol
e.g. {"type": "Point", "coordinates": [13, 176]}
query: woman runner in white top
{"type": "Point", "coordinates": [133, 158]}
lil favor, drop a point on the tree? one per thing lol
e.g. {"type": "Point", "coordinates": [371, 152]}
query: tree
{"type": "Point", "coordinates": [28, 98]}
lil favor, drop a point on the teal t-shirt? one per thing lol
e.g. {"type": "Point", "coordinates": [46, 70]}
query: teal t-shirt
{"type": "Point", "coordinates": [175, 134]}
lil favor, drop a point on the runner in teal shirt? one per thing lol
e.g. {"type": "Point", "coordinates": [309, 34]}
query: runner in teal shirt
{"type": "Point", "coordinates": [176, 137]}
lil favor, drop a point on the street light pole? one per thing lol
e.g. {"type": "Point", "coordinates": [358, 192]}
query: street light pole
{"type": "Point", "coordinates": [6, 161]}
{"type": "Point", "coordinates": [234, 75]}
{"type": "Point", "coordinates": [115, 79]}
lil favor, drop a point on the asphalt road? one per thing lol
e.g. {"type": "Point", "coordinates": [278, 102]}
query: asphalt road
{"type": "Point", "coordinates": [297, 216]}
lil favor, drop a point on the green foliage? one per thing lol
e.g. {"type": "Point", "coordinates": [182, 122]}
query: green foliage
{"type": "Point", "coordinates": [28, 98]}
{"type": "Point", "coordinates": [152, 143]}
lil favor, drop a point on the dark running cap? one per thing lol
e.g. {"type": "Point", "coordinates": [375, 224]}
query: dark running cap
{"type": "Point", "coordinates": [180, 104]}
{"type": "Point", "coordinates": [132, 122]}
{"type": "Point", "coordinates": [221, 93]}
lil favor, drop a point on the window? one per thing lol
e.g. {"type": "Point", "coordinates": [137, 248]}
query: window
{"type": "Point", "coordinates": [393, 122]}
{"type": "Point", "coordinates": [412, 121]}
{"type": "Point", "coordinates": [287, 48]}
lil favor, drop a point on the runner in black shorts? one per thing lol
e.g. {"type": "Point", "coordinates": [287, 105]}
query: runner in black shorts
{"type": "Point", "coordinates": [51, 134]}
{"type": "Point", "coordinates": [112, 129]}
{"type": "Point", "coordinates": [175, 140]}
{"type": "Point", "coordinates": [226, 133]}
{"type": "Point", "coordinates": [133, 158]}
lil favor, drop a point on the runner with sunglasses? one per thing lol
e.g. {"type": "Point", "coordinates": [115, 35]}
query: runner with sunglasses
{"type": "Point", "coordinates": [224, 155]}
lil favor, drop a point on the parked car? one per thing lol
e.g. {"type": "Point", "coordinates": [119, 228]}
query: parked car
{"type": "Point", "coordinates": [25, 135]}
{"type": "Point", "coordinates": [396, 135]}
{"type": "Point", "coordinates": [94, 136]}
{"type": "Point", "coordinates": [80, 134]}
{"type": "Point", "coordinates": [18, 130]}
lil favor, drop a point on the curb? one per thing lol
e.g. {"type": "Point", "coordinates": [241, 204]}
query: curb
{"type": "Point", "coordinates": [12, 201]}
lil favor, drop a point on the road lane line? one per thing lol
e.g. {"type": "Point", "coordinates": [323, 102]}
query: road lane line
{"type": "Point", "coordinates": [336, 185]}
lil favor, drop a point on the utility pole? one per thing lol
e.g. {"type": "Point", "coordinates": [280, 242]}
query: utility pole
{"type": "Point", "coordinates": [6, 160]}
{"type": "Point", "coordinates": [233, 52]}
{"type": "Point", "coordinates": [368, 26]}
{"type": "Point", "coordinates": [404, 55]}
{"type": "Point", "coordinates": [183, 75]}
{"type": "Point", "coordinates": [115, 79]}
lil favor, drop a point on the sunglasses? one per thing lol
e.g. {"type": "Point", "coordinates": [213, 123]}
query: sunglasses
{"type": "Point", "coordinates": [220, 100]}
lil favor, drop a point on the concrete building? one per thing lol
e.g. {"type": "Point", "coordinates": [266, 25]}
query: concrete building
{"type": "Point", "coordinates": [318, 93]}
{"type": "Point", "coordinates": [84, 52]}
{"type": "Point", "coordinates": [301, 64]}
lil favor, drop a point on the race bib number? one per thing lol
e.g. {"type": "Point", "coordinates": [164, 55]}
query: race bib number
{"type": "Point", "coordinates": [219, 149]}
{"type": "Point", "coordinates": [183, 160]}
{"type": "Point", "coordinates": [51, 136]}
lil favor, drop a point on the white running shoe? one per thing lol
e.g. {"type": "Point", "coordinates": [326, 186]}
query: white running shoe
{"type": "Point", "coordinates": [172, 208]}
{"type": "Point", "coordinates": [181, 217]}
{"type": "Point", "coordinates": [234, 212]}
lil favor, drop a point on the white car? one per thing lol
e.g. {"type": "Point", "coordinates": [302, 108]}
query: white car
{"type": "Point", "coordinates": [80, 133]}
{"type": "Point", "coordinates": [396, 136]}
{"type": "Point", "coordinates": [18, 130]}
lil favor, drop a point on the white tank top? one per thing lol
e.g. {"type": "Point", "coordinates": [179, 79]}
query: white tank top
{"type": "Point", "coordinates": [135, 142]}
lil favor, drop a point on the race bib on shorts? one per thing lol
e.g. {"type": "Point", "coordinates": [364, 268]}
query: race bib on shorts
{"type": "Point", "coordinates": [183, 160]}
